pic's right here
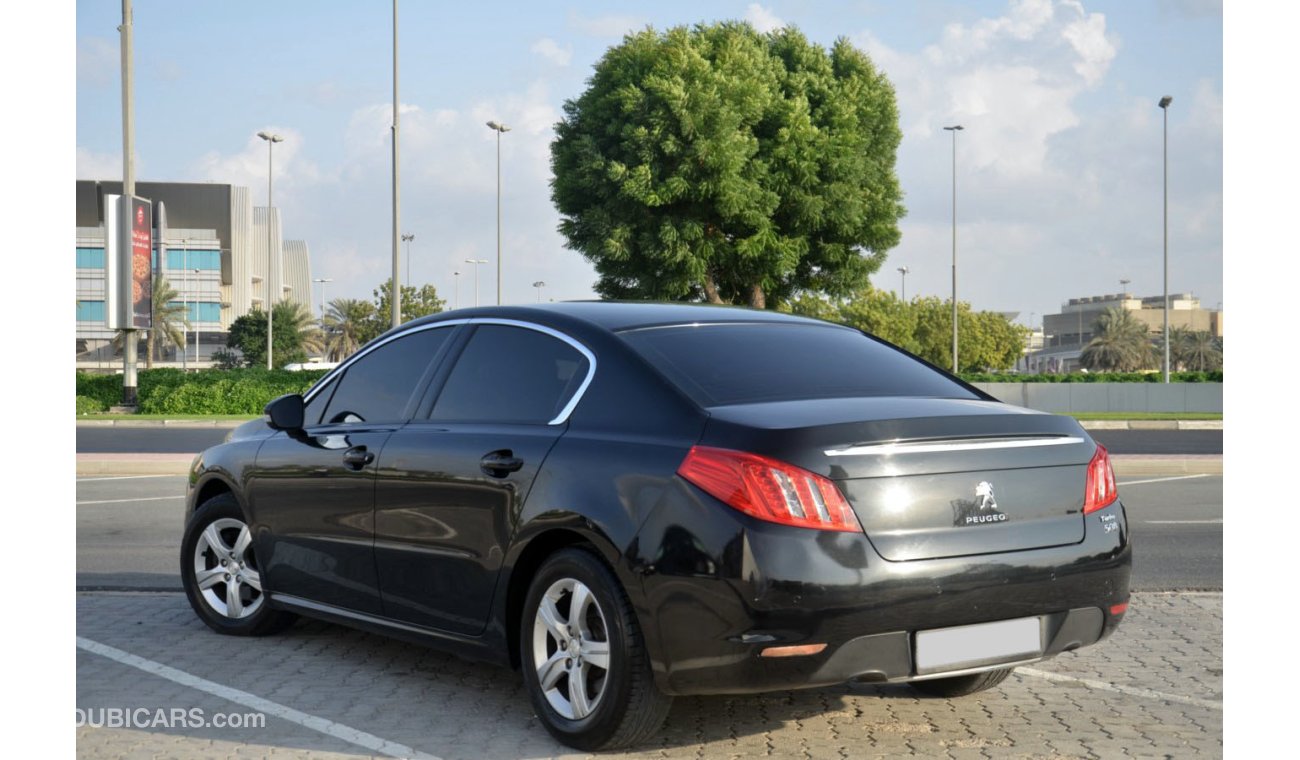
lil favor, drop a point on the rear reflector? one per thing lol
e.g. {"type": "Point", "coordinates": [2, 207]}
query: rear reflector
{"type": "Point", "coordinates": [795, 651]}
{"type": "Point", "coordinates": [769, 489]}
{"type": "Point", "coordinates": [1119, 609]}
{"type": "Point", "coordinates": [1100, 489]}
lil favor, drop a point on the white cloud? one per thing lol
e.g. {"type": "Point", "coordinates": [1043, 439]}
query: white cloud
{"type": "Point", "coordinates": [763, 19]}
{"type": "Point", "coordinates": [1088, 38]}
{"type": "Point", "coordinates": [614, 26]}
{"type": "Point", "coordinates": [92, 165]}
{"type": "Point", "coordinates": [551, 51]}
{"type": "Point", "coordinates": [98, 61]}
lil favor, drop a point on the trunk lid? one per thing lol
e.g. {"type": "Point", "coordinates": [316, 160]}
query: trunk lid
{"type": "Point", "coordinates": [928, 477]}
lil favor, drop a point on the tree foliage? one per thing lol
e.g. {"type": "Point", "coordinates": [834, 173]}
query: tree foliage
{"type": "Point", "coordinates": [717, 163]}
{"type": "Point", "coordinates": [296, 335]}
{"type": "Point", "coordinates": [923, 326]}
{"type": "Point", "coordinates": [347, 323]}
{"type": "Point", "coordinates": [1120, 344]}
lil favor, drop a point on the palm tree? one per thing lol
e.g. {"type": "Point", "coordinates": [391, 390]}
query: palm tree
{"type": "Point", "coordinates": [295, 319]}
{"type": "Point", "coordinates": [168, 317]}
{"type": "Point", "coordinates": [1199, 351]}
{"type": "Point", "coordinates": [1177, 339]}
{"type": "Point", "coordinates": [1120, 345]}
{"type": "Point", "coordinates": [345, 326]}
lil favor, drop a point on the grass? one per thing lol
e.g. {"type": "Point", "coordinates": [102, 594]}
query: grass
{"type": "Point", "coordinates": [143, 417]}
{"type": "Point", "coordinates": [1147, 415]}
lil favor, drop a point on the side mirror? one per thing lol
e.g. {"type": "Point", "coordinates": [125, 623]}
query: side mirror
{"type": "Point", "coordinates": [286, 412]}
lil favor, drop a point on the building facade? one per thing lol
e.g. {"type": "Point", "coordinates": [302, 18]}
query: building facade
{"type": "Point", "coordinates": [1065, 335]}
{"type": "Point", "coordinates": [216, 260]}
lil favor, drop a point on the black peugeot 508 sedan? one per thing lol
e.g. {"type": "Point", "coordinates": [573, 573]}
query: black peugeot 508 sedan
{"type": "Point", "coordinates": [634, 501]}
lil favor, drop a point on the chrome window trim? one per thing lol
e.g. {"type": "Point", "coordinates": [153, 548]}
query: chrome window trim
{"type": "Point", "coordinates": [931, 447]}
{"type": "Point", "coordinates": [559, 419]}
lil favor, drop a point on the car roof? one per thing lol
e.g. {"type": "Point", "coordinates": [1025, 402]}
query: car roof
{"type": "Point", "coordinates": [618, 316]}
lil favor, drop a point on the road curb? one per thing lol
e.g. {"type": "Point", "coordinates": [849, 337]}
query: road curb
{"type": "Point", "coordinates": [161, 423]}
{"type": "Point", "coordinates": [1151, 424]}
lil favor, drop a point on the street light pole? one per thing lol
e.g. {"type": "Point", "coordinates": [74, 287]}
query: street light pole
{"type": "Point", "coordinates": [1123, 287]}
{"type": "Point", "coordinates": [185, 299]}
{"type": "Point", "coordinates": [397, 193]}
{"type": "Point", "coordinates": [271, 140]}
{"type": "Point", "coordinates": [499, 129]}
{"type": "Point", "coordinates": [131, 340]}
{"type": "Point", "coordinates": [407, 239]}
{"type": "Point", "coordinates": [198, 328]}
{"type": "Point", "coordinates": [539, 285]}
{"type": "Point", "coordinates": [904, 272]}
{"type": "Point", "coordinates": [476, 262]}
{"type": "Point", "coordinates": [954, 129]}
{"type": "Point", "coordinates": [456, 303]}
{"type": "Point", "coordinates": [1164, 106]}
{"type": "Point", "coordinates": [322, 281]}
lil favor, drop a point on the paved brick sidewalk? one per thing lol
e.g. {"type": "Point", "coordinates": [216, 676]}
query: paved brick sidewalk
{"type": "Point", "coordinates": [1153, 690]}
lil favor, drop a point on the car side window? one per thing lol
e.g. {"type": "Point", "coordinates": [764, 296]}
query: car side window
{"type": "Point", "coordinates": [378, 386]}
{"type": "Point", "coordinates": [510, 375]}
{"type": "Point", "coordinates": [316, 407]}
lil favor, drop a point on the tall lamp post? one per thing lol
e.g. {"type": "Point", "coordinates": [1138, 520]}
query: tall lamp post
{"type": "Point", "coordinates": [198, 328]}
{"type": "Point", "coordinates": [1164, 106]}
{"type": "Point", "coordinates": [499, 129]}
{"type": "Point", "coordinates": [539, 285]}
{"type": "Point", "coordinates": [185, 299]}
{"type": "Point", "coordinates": [271, 140]}
{"type": "Point", "coordinates": [396, 294]}
{"type": "Point", "coordinates": [904, 271]}
{"type": "Point", "coordinates": [456, 303]}
{"type": "Point", "coordinates": [407, 239]}
{"type": "Point", "coordinates": [954, 129]}
{"type": "Point", "coordinates": [1123, 287]}
{"type": "Point", "coordinates": [321, 281]}
{"type": "Point", "coordinates": [476, 262]}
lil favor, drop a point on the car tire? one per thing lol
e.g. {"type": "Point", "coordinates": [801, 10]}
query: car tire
{"type": "Point", "coordinates": [618, 705]}
{"type": "Point", "coordinates": [960, 686]}
{"type": "Point", "coordinates": [220, 574]}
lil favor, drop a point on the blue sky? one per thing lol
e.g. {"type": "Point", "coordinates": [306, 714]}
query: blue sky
{"type": "Point", "coordinates": [1058, 168]}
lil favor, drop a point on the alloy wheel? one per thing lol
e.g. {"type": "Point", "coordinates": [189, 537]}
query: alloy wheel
{"type": "Point", "coordinates": [571, 648]}
{"type": "Point", "coordinates": [225, 570]}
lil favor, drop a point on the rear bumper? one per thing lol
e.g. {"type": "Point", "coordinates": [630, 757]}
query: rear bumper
{"type": "Point", "coordinates": [716, 592]}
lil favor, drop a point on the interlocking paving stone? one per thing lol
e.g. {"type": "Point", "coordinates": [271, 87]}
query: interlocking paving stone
{"type": "Point", "coordinates": [435, 703]}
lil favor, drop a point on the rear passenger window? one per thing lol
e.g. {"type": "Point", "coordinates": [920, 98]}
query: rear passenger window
{"type": "Point", "coordinates": [378, 386]}
{"type": "Point", "coordinates": [513, 375]}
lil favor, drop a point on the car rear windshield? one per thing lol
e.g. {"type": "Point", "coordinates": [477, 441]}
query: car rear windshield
{"type": "Point", "coordinates": [722, 364]}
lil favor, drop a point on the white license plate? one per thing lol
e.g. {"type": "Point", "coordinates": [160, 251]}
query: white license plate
{"type": "Point", "coordinates": [970, 646]}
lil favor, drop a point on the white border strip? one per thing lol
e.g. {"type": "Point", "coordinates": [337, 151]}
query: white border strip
{"type": "Point", "coordinates": [252, 701]}
{"type": "Point", "coordinates": [889, 449]}
{"type": "Point", "coordinates": [1133, 691]}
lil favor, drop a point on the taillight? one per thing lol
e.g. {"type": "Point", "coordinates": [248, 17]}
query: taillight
{"type": "Point", "coordinates": [769, 489]}
{"type": "Point", "coordinates": [1100, 490]}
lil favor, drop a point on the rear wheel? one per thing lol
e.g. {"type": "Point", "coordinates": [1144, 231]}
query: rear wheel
{"type": "Point", "coordinates": [220, 573]}
{"type": "Point", "coordinates": [960, 686]}
{"type": "Point", "coordinates": [584, 660]}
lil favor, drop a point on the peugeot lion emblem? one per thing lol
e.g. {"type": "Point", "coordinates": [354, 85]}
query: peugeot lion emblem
{"type": "Point", "coordinates": [982, 509]}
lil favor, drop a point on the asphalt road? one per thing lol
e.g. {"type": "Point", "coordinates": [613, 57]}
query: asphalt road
{"type": "Point", "coordinates": [184, 440]}
{"type": "Point", "coordinates": [128, 531]}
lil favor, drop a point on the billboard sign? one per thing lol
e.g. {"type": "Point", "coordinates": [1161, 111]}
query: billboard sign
{"type": "Point", "coordinates": [128, 263]}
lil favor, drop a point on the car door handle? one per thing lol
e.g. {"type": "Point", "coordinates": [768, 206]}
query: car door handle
{"type": "Point", "coordinates": [357, 457]}
{"type": "Point", "coordinates": [501, 463]}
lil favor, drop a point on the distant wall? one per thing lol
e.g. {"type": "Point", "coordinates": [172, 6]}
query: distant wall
{"type": "Point", "coordinates": [1110, 397]}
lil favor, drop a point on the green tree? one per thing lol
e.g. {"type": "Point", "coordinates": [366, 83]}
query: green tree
{"type": "Point", "coordinates": [295, 335]}
{"type": "Point", "coordinates": [346, 324]}
{"type": "Point", "coordinates": [716, 163]}
{"type": "Point", "coordinates": [1197, 351]}
{"type": "Point", "coordinates": [923, 326]}
{"type": "Point", "coordinates": [168, 318]}
{"type": "Point", "coordinates": [1121, 343]}
{"type": "Point", "coordinates": [416, 303]}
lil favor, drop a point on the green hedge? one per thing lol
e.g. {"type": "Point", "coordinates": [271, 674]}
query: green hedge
{"type": "Point", "coordinates": [1095, 377]}
{"type": "Point", "coordinates": [88, 405]}
{"type": "Point", "coordinates": [171, 391]}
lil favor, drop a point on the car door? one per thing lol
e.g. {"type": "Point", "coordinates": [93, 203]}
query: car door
{"type": "Point", "coordinates": [311, 492]}
{"type": "Point", "coordinates": [452, 482]}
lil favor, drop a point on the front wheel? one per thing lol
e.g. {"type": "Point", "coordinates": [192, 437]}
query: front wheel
{"type": "Point", "coordinates": [960, 686]}
{"type": "Point", "coordinates": [220, 573]}
{"type": "Point", "coordinates": [584, 660]}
